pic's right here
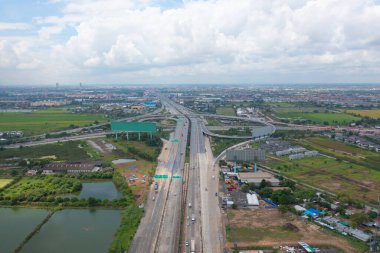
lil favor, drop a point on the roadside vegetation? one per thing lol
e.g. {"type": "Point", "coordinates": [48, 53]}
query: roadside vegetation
{"type": "Point", "coordinates": [45, 121]}
{"type": "Point", "coordinates": [218, 145]}
{"type": "Point", "coordinates": [235, 132]}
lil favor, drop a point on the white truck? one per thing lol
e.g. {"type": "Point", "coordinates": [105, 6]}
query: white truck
{"type": "Point", "coordinates": [192, 246]}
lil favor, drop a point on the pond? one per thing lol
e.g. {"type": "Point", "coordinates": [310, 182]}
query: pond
{"type": "Point", "coordinates": [99, 190]}
{"type": "Point", "coordinates": [76, 231]}
{"type": "Point", "coordinates": [16, 224]}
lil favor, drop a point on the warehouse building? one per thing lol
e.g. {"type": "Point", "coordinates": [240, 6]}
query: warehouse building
{"type": "Point", "coordinates": [257, 177]}
{"type": "Point", "coordinates": [75, 167]}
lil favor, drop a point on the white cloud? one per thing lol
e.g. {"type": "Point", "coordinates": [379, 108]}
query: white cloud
{"type": "Point", "coordinates": [233, 39]}
{"type": "Point", "coordinates": [14, 26]}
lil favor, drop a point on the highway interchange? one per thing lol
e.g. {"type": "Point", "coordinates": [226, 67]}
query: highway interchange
{"type": "Point", "coordinates": [173, 219]}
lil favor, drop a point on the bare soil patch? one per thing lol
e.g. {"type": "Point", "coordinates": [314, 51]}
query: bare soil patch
{"type": "Point", "coordinates": [269, 228]}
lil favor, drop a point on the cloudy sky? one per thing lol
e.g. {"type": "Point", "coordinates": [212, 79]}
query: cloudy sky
{"type": "Point", "coordinates": [189, 41]}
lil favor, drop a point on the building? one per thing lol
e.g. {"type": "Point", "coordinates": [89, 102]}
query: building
{"type": "Point", "coordinates": [283, 152]}
{"type": "Point", "coordinates": [31, 172]}
{"type": "Point", "coordinates": [313, 213]}
{"type": "Point", "coordinates": [137, 107]}
{"type": "Point", "coordinates": [311, 153]}
{"type": "Point", "coordinates": [252, 200]}
{"type": "Point", "coordinates": [75, 167]}
{"type": "Point", "coordinates": [257, 177]}
{"type": "Point", "coordinates": [296, 156]}
{"type": "Point", "coordinates": [245, 155]}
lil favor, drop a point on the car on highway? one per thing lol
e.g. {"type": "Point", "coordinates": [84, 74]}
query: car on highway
{"type": "Point", "coordinates": [206, 189]}
{"type": "Point", "coordinates": [216, 194]}
{"type": "Point", "coordinates": [193, 217]}
{"type": "Point", "coordinates": [187, 243]}
{"type": "Point", "coordinates": [190, 205]}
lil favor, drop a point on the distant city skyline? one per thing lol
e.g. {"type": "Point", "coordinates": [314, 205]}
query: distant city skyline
{"type": "Point", "coordinates": [44, 42]}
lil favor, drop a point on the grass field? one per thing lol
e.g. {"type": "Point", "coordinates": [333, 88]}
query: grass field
{"type": "Point", "coordinates": [297, 109]}
{"type": "Point", "coordinates": [65, 151]}
{"type": "Point", "coordinates": [375, 113]}
{"type": "Point", "coordinates": [281, 104]}
{"type": "Point", "coordinates": [339, 177]}
{"type": "Point", "coordinates": [4, 182]}
{"type": "Point", "coordinates": [342, 151]}
{"type": "Point", "coordinates": [225, 110]}
{"type": "Point", "coordinates": [319, 117]}
{"type": "Point", "coordinates": [44, 121]}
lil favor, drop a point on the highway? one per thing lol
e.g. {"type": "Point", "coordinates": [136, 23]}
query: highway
{"type": "Point", "coordinates": [193, 228]}
{"type": "Point", "coordinates": [207, 230]}
{"type": "Point", "coordinates": [160, 227]}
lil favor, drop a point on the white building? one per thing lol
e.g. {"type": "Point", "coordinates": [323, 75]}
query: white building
{"type": "Point", "coordinates": [252, 199]}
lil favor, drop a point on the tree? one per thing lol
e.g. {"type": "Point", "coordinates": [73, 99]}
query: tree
{"type": "Point", "coordinates": [264, 184]}
{"type": "Point", "coordinates": [92, 201]}
{"type": "Point", "coordinates": [266, 192]}
{"type": "Point", "coordinates": [14, 173]}
{"type": "Point", "coordinates": [359, 218]}
{"type": "Point", "coordinates": [244, 188]}
{"type": "Point", "coordinates": [372, 215]}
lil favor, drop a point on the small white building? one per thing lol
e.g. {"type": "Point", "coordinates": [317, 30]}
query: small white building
{"type": "Point", "coordinates": [296, 156]}
{"type": "Point", "coordinates": [253, 201]}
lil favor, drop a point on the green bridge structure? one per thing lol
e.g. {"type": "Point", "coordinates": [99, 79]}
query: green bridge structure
{"type": "Point", "coordinates": [134, 127]}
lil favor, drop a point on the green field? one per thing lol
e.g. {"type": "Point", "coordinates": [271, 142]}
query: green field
{"type": "Point", "coordinates": [4, 182]}
{"type": "Point", "coordinates": [340, 150]}
{"type": "Point", "coordinates": [65, 151]}
{"type": "Point", "coordinates": [319, 117]}
{"type": "Point", "coordinates": [339, 177]}
{"type": "Point", "coordinates": [44, 121]}
{"type": "Point", "coordinates": [281, 104]}
{"type": "Point", "coordinates": [226, 110]}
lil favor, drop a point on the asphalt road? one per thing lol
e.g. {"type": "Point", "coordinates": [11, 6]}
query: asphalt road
{"type": "Point", "coordinates": [159, 229]}
{"type": "Point", "coordinates": [207, 229]}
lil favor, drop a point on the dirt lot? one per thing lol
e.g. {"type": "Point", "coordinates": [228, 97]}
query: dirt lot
{"type": "Point", "coordinates": [270, 228]}
{"type": "Point", "coordinates": [137, 173]}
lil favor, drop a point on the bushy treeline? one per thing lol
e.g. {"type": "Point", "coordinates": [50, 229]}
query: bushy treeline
{"type": "Point", "coordinates": [48, 190]}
